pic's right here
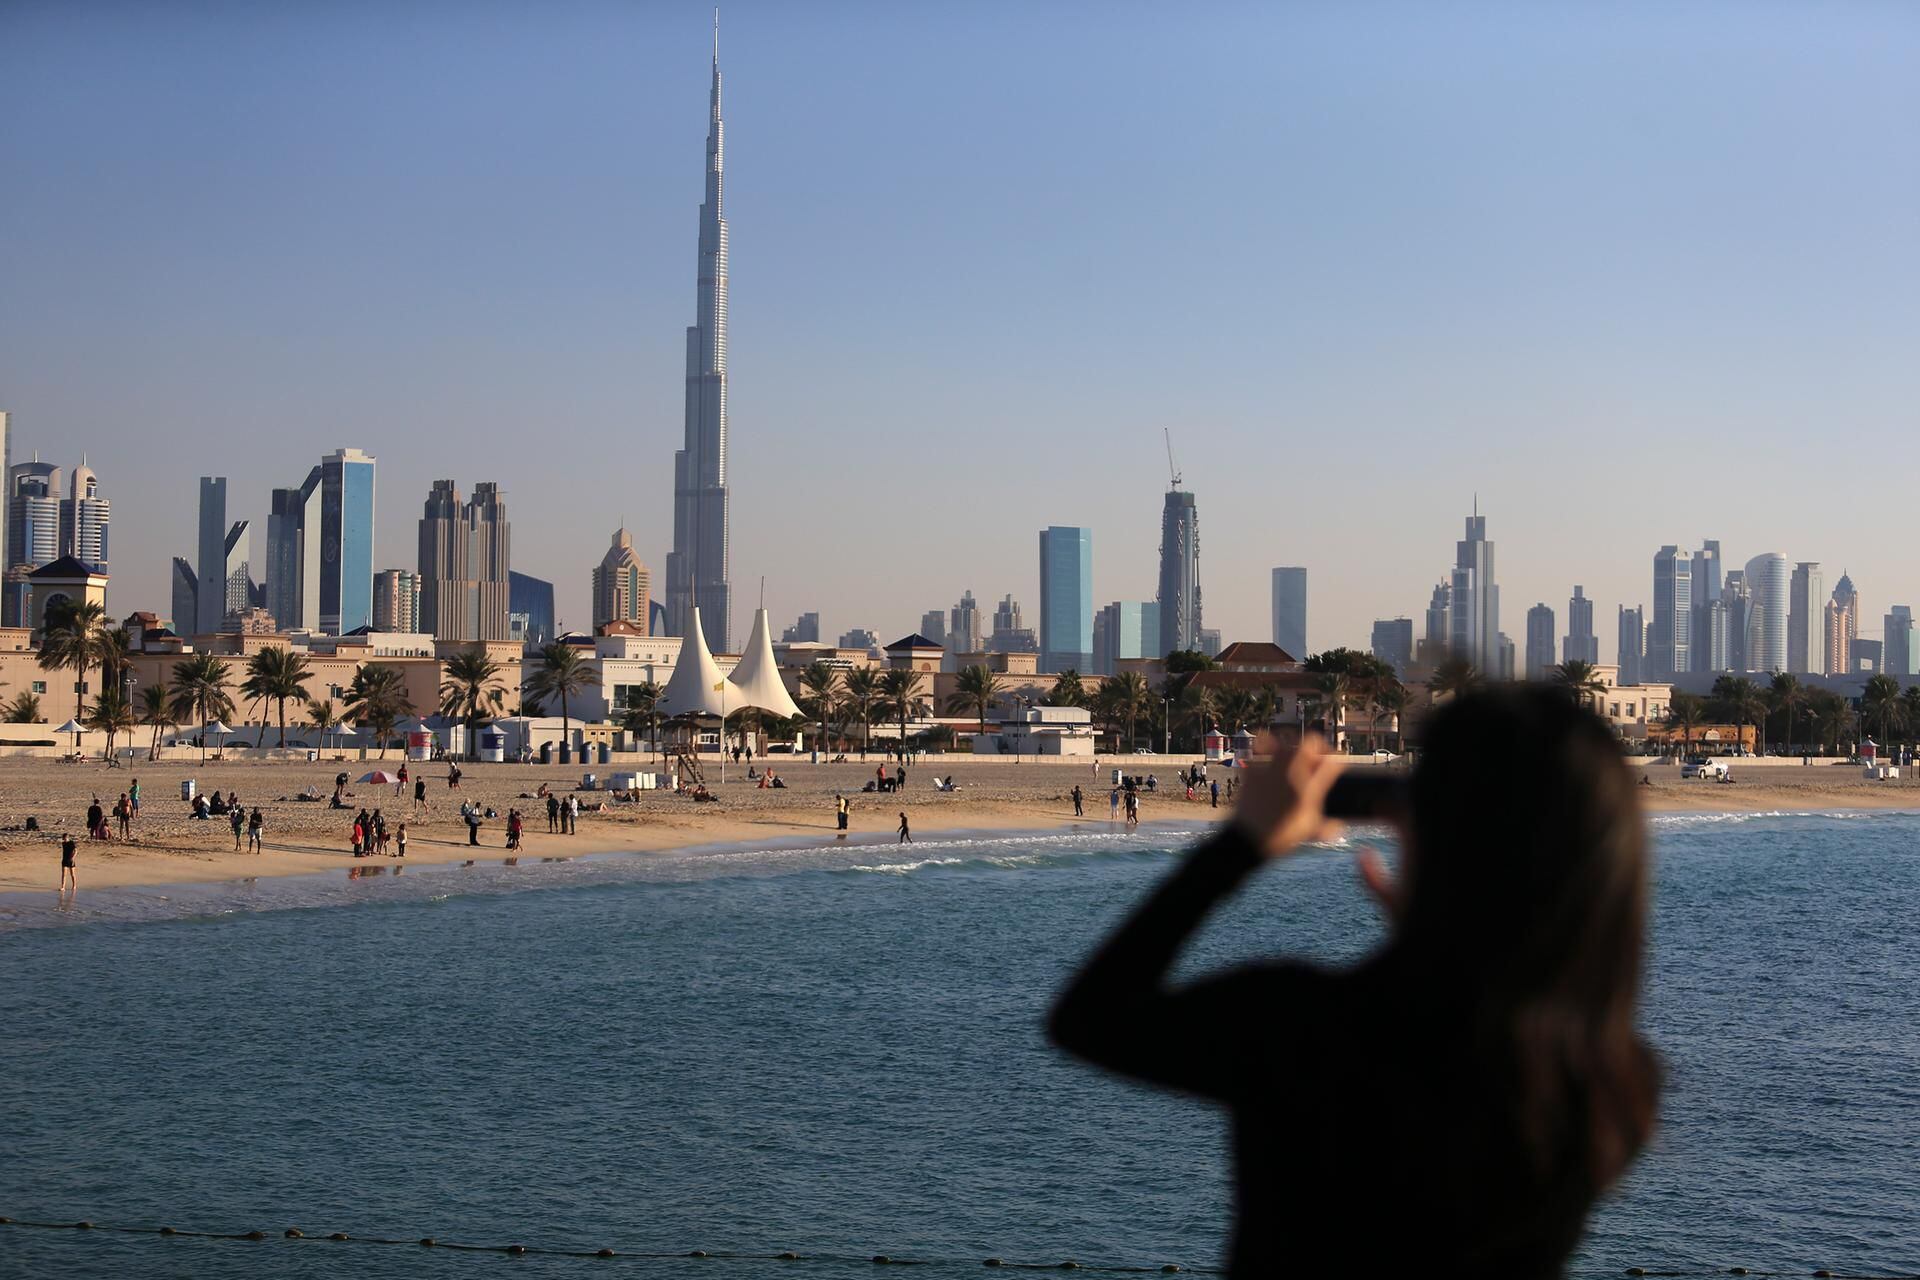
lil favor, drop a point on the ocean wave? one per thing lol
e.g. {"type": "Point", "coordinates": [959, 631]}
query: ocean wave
{"type": "Point", "coordinates": [1672, 821]}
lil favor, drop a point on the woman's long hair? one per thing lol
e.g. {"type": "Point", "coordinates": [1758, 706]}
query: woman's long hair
{"type": "Point", "coordinates": [1524, 923]}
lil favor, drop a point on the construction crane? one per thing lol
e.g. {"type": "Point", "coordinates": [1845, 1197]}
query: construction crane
{"type": "Point", "coordinates": [1171, 470]}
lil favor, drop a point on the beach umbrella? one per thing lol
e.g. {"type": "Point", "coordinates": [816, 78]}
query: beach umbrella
{"type": "Point", "coordinates": [217, 727]}
{"type": "Point", "coordinates": [382, 777]}
{"type": "Point", "coordinates": [73, 727]}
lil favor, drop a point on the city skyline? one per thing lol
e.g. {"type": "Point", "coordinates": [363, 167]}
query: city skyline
{"type": "Point", "coordinates": [586, 344]}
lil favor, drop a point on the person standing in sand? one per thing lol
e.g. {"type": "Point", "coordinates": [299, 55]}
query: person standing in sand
{"type": "Point", "coordinates": [133, 798]}
{"type": "Point", "coordinates": [400, 841]}
{"type": "Point", "coordinates": [237, 819]}
{"type": "Point", "coordinates": [840, 807]}
{"type": "Point", "coordinates": [69, 879]}
{"type": "Point", "coordinates": [123, 815]}
{"type": "Point", "coordinates": [256, 823]}
{"type": "Point", "coordinates": [420, 793]}
{"type": "Point", "coordinates": [1113, 805]}
{"type": "Point", "coordinates": [1079, 802]}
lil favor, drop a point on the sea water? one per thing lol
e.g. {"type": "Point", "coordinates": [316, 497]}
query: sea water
{"type": "Point", "coordinates": [838, 1051]}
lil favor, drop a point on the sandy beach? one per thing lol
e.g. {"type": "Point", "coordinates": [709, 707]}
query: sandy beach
{"type": "Point", "coordinates": [170, 847]}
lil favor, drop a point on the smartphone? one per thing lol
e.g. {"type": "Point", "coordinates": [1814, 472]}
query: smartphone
{"type": "Point", "coordinates": [1366, 795]}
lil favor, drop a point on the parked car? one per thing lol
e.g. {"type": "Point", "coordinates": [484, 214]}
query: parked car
{"type": "Point", "coordinates": [1702, 768]}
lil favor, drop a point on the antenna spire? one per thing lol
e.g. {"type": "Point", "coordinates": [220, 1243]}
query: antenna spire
{"type": "Point", "coordinates": [716, 34]}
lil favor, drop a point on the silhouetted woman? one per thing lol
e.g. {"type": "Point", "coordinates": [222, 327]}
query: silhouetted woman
{"type": "Point", "coordinates": [1458, 1100]}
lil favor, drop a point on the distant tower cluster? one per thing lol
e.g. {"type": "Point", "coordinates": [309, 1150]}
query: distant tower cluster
{"type": "Point", "coordinates": [1473, 601]}
{"type": "Point", "coordinates": [320, 547]}
{"type": "Point", "coordinates": [41, 524]}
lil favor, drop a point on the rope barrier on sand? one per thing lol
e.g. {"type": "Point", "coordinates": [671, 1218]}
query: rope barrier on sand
{"type": "Point", "coordinates": [552, 1251]}
{"type": "Point", "coordinates": [877, 1259]}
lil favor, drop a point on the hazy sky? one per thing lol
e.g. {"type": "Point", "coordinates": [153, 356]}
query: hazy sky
{"type": "Point", "coordinates": [1635, 274]}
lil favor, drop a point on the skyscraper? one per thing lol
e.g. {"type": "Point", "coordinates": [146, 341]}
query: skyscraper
{"type": "Point", "coordinates": [1707, 648]}
{"type": "Point", "coordinates": [6, 498]}
{"type": "Point", "coordinates": [1737, 598]}
{"type": "Point", "coordinates": [1898, 655]}
{"type": "Point", "coordinates": [1633, 640]}
{"type": "Point", "coordinates": [396, 601]}
{"type": "Point", "coordinates": [237, 595]}
{"type": "Point", "coordinates": [35, 491]}
{"type": "Point", "coordinates": [1474, 599]}
{"type": "Point", "coordinates": [1179, 597]}
{"type": "Point", "coordinates": [186, 596]}
{"type": "Point", "coordinates": [1539, 641]}
{"type": "Point", "coordinates": [1392, 643]}
{"type": "Point", "coordinates": [84, 517]}
{"type": "Point", "coordinates": [1290, 610]}
{"type": "Point", "coordinates": [1433, 649]}
{"type": "Point", "coordinates": [1767, 613]}
{"type": "Point", "coordinates": [1806, 629]}
{"type": "Point", "coordinates": [964, 632]}
{"type": "Point", "coordinates": [1011, 634]}
{"type": "Point", "coordinates": [621, 585]}
{"type": "Point", "coordinates": [465, 559]}
{"type": "Point", "coordinates": [805, 630]}
{"type": "Point", "coordinates": [293, 555]}
{"type": "Point", "coordinates": [530, 618]}
{"type": "Point", "coordinates": [697, 567]}
{"type": "Point", "coordinates": [1670, 633]}
{"type": "Point", "coordinates": [1842, 624]}
{"type": "Point", "coordinates": [1122, 630]}
{"type": "Point", "coordinates": [346, 541]}
{"type": "Point", "coordinates": [933, 626]}
{"type": "Point", "coordinates": [1581, 644]}
{"type": "Point", "coordinates": [211, 565]}
{"type": "Point", "coordinates": [1066, 599]}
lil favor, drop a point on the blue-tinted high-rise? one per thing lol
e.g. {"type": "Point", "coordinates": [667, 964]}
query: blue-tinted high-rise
{"type": "Point", "coordinates": [346, 541]}
{"type": "Point", "coordinates": [1066, 599]}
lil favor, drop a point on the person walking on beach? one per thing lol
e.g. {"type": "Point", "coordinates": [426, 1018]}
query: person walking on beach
{"type": "Point", "coordinates": [133, 798]}
{"type": "Point", "coordinates": [420, 793]}
{"type": "Point", "coordinates": [69, 878]}
{"type": "Point", "coordinates": [453, 776]}
{"type": "Point", "coordinates": [906, 836]}
{"type": "Point", "coordinates": [256, 823]}
{"type": "Point", "coordinates": [237, 819]}
{"type": "Point", "coordinates": [123, 816]}
{"type": "Point", "coordinates": [1513, 956]}
{"type": "Point", "coordinates": [1079, 802]}
{"type": "Point", "coordinates": [1216, 793]}
{"type": "Point", "coordinates": [553, 813]}
{"type": "Point", "coordinates": [840, 808]}
{"type": "Point", "coordinates": [1133, 809]}
{"type": "Point", "coordinates": [400, 841]}
{"type": "Point", "coordinates": [400, 786]}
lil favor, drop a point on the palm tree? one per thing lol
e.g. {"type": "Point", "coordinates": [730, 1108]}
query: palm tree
{"type": "Point", "coordinates": [110, 714]}
{"type": "Point", "coordinates": [1787, 695]}
{"type": "Point", "coordinates": [561, 675]}
{"type": "Point", "coordinates": [1132, 698]}
{"type": "Point", "coordinates": [1686, 712]}
{"type": "Point", "coordinates": [24, 708]}
{"type": "Point", "coordinates": [1831, 716]}
{"type": "Point", "coordinates": [863, 690]}
{"type": "Point", "coordinates": [1739, 701]}
{"type": "Point", "coordinates": [820, 688]}
{"type": "Point", "coordinates": [1453, 677]}
{"type": "Point", "coordinates": [199, 688]}
{"type": "Point", "coordinates": [900, 687]}
{"type": "Point", "coordinates": [1389, 698]}
{"type": "Point", "coordinates": [1336, 687]}
{"type": "Point", "coordinates": [1198, 707]}
{"type": "Point", "coordinates": [322, 716]}
{"type": "Point", "coordinates": [1266, 706]}
{"type": "Point", "coordinates": [156, 709]}
{"type": "Point", "coordinates": [1236, 709]}
{"type": "Point", "coordinates": [73, 638]}
{"type": "Point", "coordinates": [643, 709]}
{"type": "Point", "coordinates": [473, 691]}
{"type": "Point", "coordinates": [1882, 710]}
{"type": "Point", "coordinates": [378, 698]}
{"type": "Point", "coordinates": [276, 674]}
{"type": "Point", "coordinates": [1580, 679]}
{"type": "Point", "coordinates": [976, 688]}
{"type": "Point", "coordinates": [1067, 690]}
{"type": "Point", "coordinates": [1912, 698]}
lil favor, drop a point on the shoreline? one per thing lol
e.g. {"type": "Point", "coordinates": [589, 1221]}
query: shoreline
{"type": "Point", "coordinates": [994, 797]}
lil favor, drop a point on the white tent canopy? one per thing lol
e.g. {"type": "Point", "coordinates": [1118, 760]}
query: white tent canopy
{"type": "Point", "coordinates": [755, 681]}
{"type": "Point", "coordinates": [693, 688]}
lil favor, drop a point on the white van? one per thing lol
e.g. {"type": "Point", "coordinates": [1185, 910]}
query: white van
{"type": "Point", "coordinates": [1700, 768]}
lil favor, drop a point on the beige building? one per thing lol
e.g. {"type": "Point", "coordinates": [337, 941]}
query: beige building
{"type": "Point", "coordinates": [621, 585]}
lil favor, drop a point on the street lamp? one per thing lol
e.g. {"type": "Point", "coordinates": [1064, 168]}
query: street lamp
{"type": "Point", "coordinates": [1166, 724]}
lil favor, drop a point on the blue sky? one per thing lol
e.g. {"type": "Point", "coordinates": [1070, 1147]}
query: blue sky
{"type": "Point", "coordinates": [1636, 274]}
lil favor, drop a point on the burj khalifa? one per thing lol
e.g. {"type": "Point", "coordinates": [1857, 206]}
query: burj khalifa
{"type": "Point", "coordinates": [697, 567]}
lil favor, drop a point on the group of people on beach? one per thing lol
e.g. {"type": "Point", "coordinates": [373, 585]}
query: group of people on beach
{"type": "Point", "coordinates": [372, 839]}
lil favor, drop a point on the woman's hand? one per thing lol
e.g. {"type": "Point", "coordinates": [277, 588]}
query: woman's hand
{"type": "Point", "coordinates": [1282, 802]}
